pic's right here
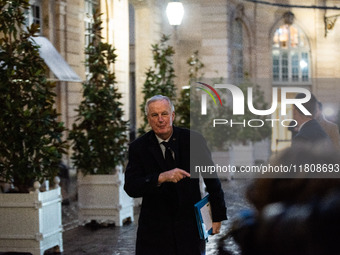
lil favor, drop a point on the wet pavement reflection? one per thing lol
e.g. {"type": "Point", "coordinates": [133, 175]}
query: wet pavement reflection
{"type": "Point", "coordinates": [111, 240]}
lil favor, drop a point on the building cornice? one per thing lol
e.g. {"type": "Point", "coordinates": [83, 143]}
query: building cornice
{"type": "Point", "coordinates": [142, 3]}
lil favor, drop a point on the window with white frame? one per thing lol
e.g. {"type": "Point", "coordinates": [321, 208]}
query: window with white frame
{"type": "Point", "coordinates": [90, 6]}
{"type": "Point", "coordinates": [34, 14]}
{"type": "Point", "coordinates": [291, 56]}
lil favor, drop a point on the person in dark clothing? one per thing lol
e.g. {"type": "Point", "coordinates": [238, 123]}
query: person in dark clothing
{"type": "Point", "coordinates": [331, 129]}
{"type": "Point", "coordinates": [292, 216]}
{"type": "Point", "coordinates": [309, 130]}
{"type": "Point", "coordinates": [167, 223]}
{"type": "Point", "coordinates": [309, 228]}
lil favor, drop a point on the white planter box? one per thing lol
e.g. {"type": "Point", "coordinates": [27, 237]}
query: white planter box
{"type": "Point", "coordinates": [31, 222]}
{"type": "Point", "coordinates": [103, 199]}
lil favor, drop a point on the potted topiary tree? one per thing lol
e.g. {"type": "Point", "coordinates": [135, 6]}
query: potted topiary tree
{"type": "Point", "coordinates": [183, 104]}
{"type": "Point", "coordinates": [99, 138]}
{"type": "Point", "coordinates": [244, 137]}
{"type": "Point", "coordinates": [31, 144]}
{"type": "Point", "coordinates": [159, 78]}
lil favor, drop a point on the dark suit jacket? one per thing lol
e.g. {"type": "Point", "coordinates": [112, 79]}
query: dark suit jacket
{"type": "Point", "coordinates": [167, 223]}
{"type": "Point", "coordinates": [332, 130]}
{"type": "Point", "coordinates": [313, 134]}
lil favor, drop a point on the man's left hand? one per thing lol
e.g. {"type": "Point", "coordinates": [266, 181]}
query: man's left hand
{"type": "Point", "coordinates": [216, 226]}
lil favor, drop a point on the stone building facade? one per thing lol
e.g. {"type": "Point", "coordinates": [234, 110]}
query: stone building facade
{"type": "Point", "coordinates": [274, 43]}
{"type": "Point", "coordinates": [64, 23]}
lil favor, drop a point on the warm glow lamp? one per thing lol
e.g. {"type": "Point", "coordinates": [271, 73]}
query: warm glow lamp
{"type": "Point", "coordinates": [175, 13]}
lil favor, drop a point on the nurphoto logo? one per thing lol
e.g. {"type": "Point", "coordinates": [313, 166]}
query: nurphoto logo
{"type": "Point", "coordinates": [238, 104]}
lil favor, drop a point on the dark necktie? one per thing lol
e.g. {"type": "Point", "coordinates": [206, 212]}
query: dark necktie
{"type": "Point", "coordinates": [169, 188]}
{"type": "Point", "coordinates": [169, 159]}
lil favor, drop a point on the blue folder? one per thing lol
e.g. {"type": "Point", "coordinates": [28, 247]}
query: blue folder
{"type": "Point", "coordinates": [203, 217]}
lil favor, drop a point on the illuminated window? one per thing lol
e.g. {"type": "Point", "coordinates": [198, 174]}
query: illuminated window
{"type": "Point", "coordinates": [291, 56]}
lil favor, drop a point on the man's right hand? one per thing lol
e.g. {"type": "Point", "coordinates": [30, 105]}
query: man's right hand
{"type": "Point", "coordinates": [174, 175]}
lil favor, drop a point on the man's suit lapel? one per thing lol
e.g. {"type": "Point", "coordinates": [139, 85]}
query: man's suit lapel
{"type": "Point", "coordinates": [175, 144]}
{"type": "Point", "coordinates": [156, 151]}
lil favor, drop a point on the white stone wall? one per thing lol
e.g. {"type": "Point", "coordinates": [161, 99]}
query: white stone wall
{"type": "Point", "coordinates": [63, 25]}
{"type": "Point", "coordinates": [206, 27]}
{"type": "Point", "coordinates": [147, 32]}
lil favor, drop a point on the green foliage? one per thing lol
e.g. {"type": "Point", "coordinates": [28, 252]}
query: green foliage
{"type": "Point", "coordinates": [195, 67]}
{"type": "Point", "coordinates": [240, 134]}
{"type": "Point", "coordinates": [160, 77]}
{"type": "Point", "coordinates": [99, 135]}
{"type": "Point", "coordinates": [183, 106]}
{"type": "Point", "coordinates": [31, 143]}
{"type": "Point", "coordinates": [222, 136]}
{"type": "Point", "coordinates": [219, 137]}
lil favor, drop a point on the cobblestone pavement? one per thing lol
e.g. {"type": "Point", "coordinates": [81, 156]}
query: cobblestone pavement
{"type": "Point", "coordinates": [94, 239]}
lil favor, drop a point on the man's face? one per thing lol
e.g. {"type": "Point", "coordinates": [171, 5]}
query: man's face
{"type": "Point", "coordinates": [160, 118]}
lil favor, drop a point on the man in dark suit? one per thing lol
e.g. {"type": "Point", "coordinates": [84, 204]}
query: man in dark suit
{"type": "Point", "coordinates": [309, 130]}
{"type": "Point", "coordinates": [330, 128]}
{"type": "Point", "coordinates": [167, 224]}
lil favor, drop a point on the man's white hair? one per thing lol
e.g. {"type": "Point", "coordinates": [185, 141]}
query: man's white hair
{"type": "Point", "coordinates": [158, 98]}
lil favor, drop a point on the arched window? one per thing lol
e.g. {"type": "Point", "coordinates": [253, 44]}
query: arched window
{"type": "Point", "coordinates": [291, 56]}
